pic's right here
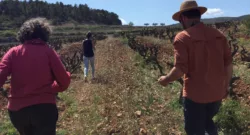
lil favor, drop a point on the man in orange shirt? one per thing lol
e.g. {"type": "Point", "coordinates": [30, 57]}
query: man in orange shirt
{"type": "Point", "coordinates": [203, 56]}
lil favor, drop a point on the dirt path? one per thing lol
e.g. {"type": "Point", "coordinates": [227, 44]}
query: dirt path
{"type": "Point", "coordinates": [124, 99]}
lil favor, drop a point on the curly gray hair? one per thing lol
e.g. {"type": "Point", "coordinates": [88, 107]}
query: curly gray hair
{"type": "Point", "coordinates": [33, 29]}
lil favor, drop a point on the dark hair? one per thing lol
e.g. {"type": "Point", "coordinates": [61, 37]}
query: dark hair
{"type": "Point", "coordinates": [33, 29]}
{"type": "Point", "coordinates": [89, 35]}
{"type": "Point", "coordinates": [192, 14]}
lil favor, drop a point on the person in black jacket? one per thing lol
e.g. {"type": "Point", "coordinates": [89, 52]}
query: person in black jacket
{"type": "Point", "coordinates": [88, 56]}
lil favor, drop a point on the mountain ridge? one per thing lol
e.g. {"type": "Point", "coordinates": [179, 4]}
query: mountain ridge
{"type": "Point", "coordinates": [219, 19]}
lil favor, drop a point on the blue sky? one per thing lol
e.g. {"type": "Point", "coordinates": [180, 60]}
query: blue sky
{"type": "Point", "coordinates": [160, 11]}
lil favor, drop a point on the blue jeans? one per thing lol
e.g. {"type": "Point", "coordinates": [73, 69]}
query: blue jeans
{"type": "Point", "coordinates": [86, 61]}
{"type": "Point", "coordinates": [199, 117]}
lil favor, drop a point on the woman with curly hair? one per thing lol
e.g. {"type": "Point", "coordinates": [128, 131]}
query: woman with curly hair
{"type": "Point", "coordinates": [37, 75]}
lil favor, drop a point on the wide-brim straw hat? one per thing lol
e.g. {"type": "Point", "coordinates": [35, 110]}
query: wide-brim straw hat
{"type": "Point", "coordinates": [186, 6]}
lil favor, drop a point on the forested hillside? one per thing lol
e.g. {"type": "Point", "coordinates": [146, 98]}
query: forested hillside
{"type": "Point", "coordinates": [224, 19]}
{"type": "Point", "coordinates": [13, 13]}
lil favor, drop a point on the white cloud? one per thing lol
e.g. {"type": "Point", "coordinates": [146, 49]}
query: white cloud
{"type": "Point", "coordinates": [123, 21]}
{"type": "Point", "coordinates": [214, 12]}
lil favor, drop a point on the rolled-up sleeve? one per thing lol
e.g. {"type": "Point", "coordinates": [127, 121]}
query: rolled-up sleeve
{"type": "Point", "coordinates": [180, 54]}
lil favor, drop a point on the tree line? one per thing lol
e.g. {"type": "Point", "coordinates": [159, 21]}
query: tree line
{"type": "Point", "coordinates": [14, 12]}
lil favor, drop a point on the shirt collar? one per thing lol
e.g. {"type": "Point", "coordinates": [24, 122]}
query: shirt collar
{"type": "Point", "coordinates": [197, 32]}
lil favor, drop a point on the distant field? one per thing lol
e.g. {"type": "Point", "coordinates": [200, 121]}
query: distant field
{"type": "Point", "coordinates": [8, 36]}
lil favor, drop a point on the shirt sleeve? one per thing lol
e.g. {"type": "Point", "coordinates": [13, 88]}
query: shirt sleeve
{"type": "Point", "coordinates": [227, 53]}
{"type": "Point", "coordinates": [5, 66]}
{"type": "Point", "coordinates": [180, 54]}
{"type": "Point", "coordinates": [62, 77]}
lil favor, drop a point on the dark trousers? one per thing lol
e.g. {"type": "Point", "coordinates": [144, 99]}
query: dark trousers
{"type": "Point", "coordinates": [38, 119]}
{"type": "Point", "coordinates": [198, 117]}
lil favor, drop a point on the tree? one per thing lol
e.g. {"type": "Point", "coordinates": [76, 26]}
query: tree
{"type": "Point", "coordinates": [155, 24]}
{"type": "Point", "coordinates": [146, 24]}
{"type": "Point", "coordinates": [18, 11]}
{"type": "Point", "coordinates": [162, 24]}
{"type": "Point", "coordinates": [131, 24]}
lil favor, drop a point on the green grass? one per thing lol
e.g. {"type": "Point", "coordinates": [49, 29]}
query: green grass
{"type": "Point", "coordinates": [233, 118]}
{"type": "Point", "coordinates": [124, 41]}
{"type": "Point", "coordinates": [157, 93]}
{"type": "Point", "coordinates": [6, 127]}
{"type": "Point", "coordinates": [8, 33]}
{"type": "Point", "coordinates": [175, 105]}
{"type": "Point", "coordinates": [89, 117]}
{"type": "Point", "coordinates": [243, 42]}
{"type": "Point", "coordinates": [62, 132]}
{"type": "Point", "coordinates": [97, 99]}
{"type": "Point", "coordinates": [242, 71]}
{"type": "Point", "coordinates": [70, 102]}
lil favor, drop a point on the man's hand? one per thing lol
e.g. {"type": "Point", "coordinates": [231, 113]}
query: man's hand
{"type": "Point", "coordinates": [174, 75]}
{"type": "Point", "coordinates": [163, 81]}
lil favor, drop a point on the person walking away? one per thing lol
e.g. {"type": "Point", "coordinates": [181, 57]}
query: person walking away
{"type": "Point", "coordinates": [203, 56]}
{"type": "Point", "coordinates": [37, 74]}
{"type": "Point", "coordinates": [88, 56]}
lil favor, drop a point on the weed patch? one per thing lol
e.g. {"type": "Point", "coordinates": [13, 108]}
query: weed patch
{"type": "Point", "coordinates": [233, 118]}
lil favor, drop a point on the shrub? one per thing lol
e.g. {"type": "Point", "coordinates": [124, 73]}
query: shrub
{"type": "Point", "coordinates": [6, 128]}
{"type": "Point", "coordinates": [8, 33]}
{"type": "Point", "coordinates": [233, 118]}
{"type": "Point", "coordinates": [247, 24]}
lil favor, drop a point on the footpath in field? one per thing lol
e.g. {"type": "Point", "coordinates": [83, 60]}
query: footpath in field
{"type": "Point", "coordinates": [124, 99]}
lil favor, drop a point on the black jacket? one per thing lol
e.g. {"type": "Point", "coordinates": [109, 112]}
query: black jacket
{"type": "Point", "coordinates": [88, 48]}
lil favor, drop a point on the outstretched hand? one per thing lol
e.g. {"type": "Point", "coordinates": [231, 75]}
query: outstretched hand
{"type": "Point", "coordinates": [163, 81]}
{"type": "Point", "coordinates": [174, 75]}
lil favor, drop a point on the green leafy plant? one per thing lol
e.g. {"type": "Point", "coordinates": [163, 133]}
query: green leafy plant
{"type": "Point", "coordinates": [6, 128]}
{"type": "Point", "coordinates": [233, 118]}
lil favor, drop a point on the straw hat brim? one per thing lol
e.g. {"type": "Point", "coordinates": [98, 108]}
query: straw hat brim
{"type": "Point", "coordinates": [176, 16]}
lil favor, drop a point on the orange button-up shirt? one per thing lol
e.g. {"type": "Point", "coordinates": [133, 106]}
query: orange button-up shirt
{"type": "Point", "coordinates": [202, 53]}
